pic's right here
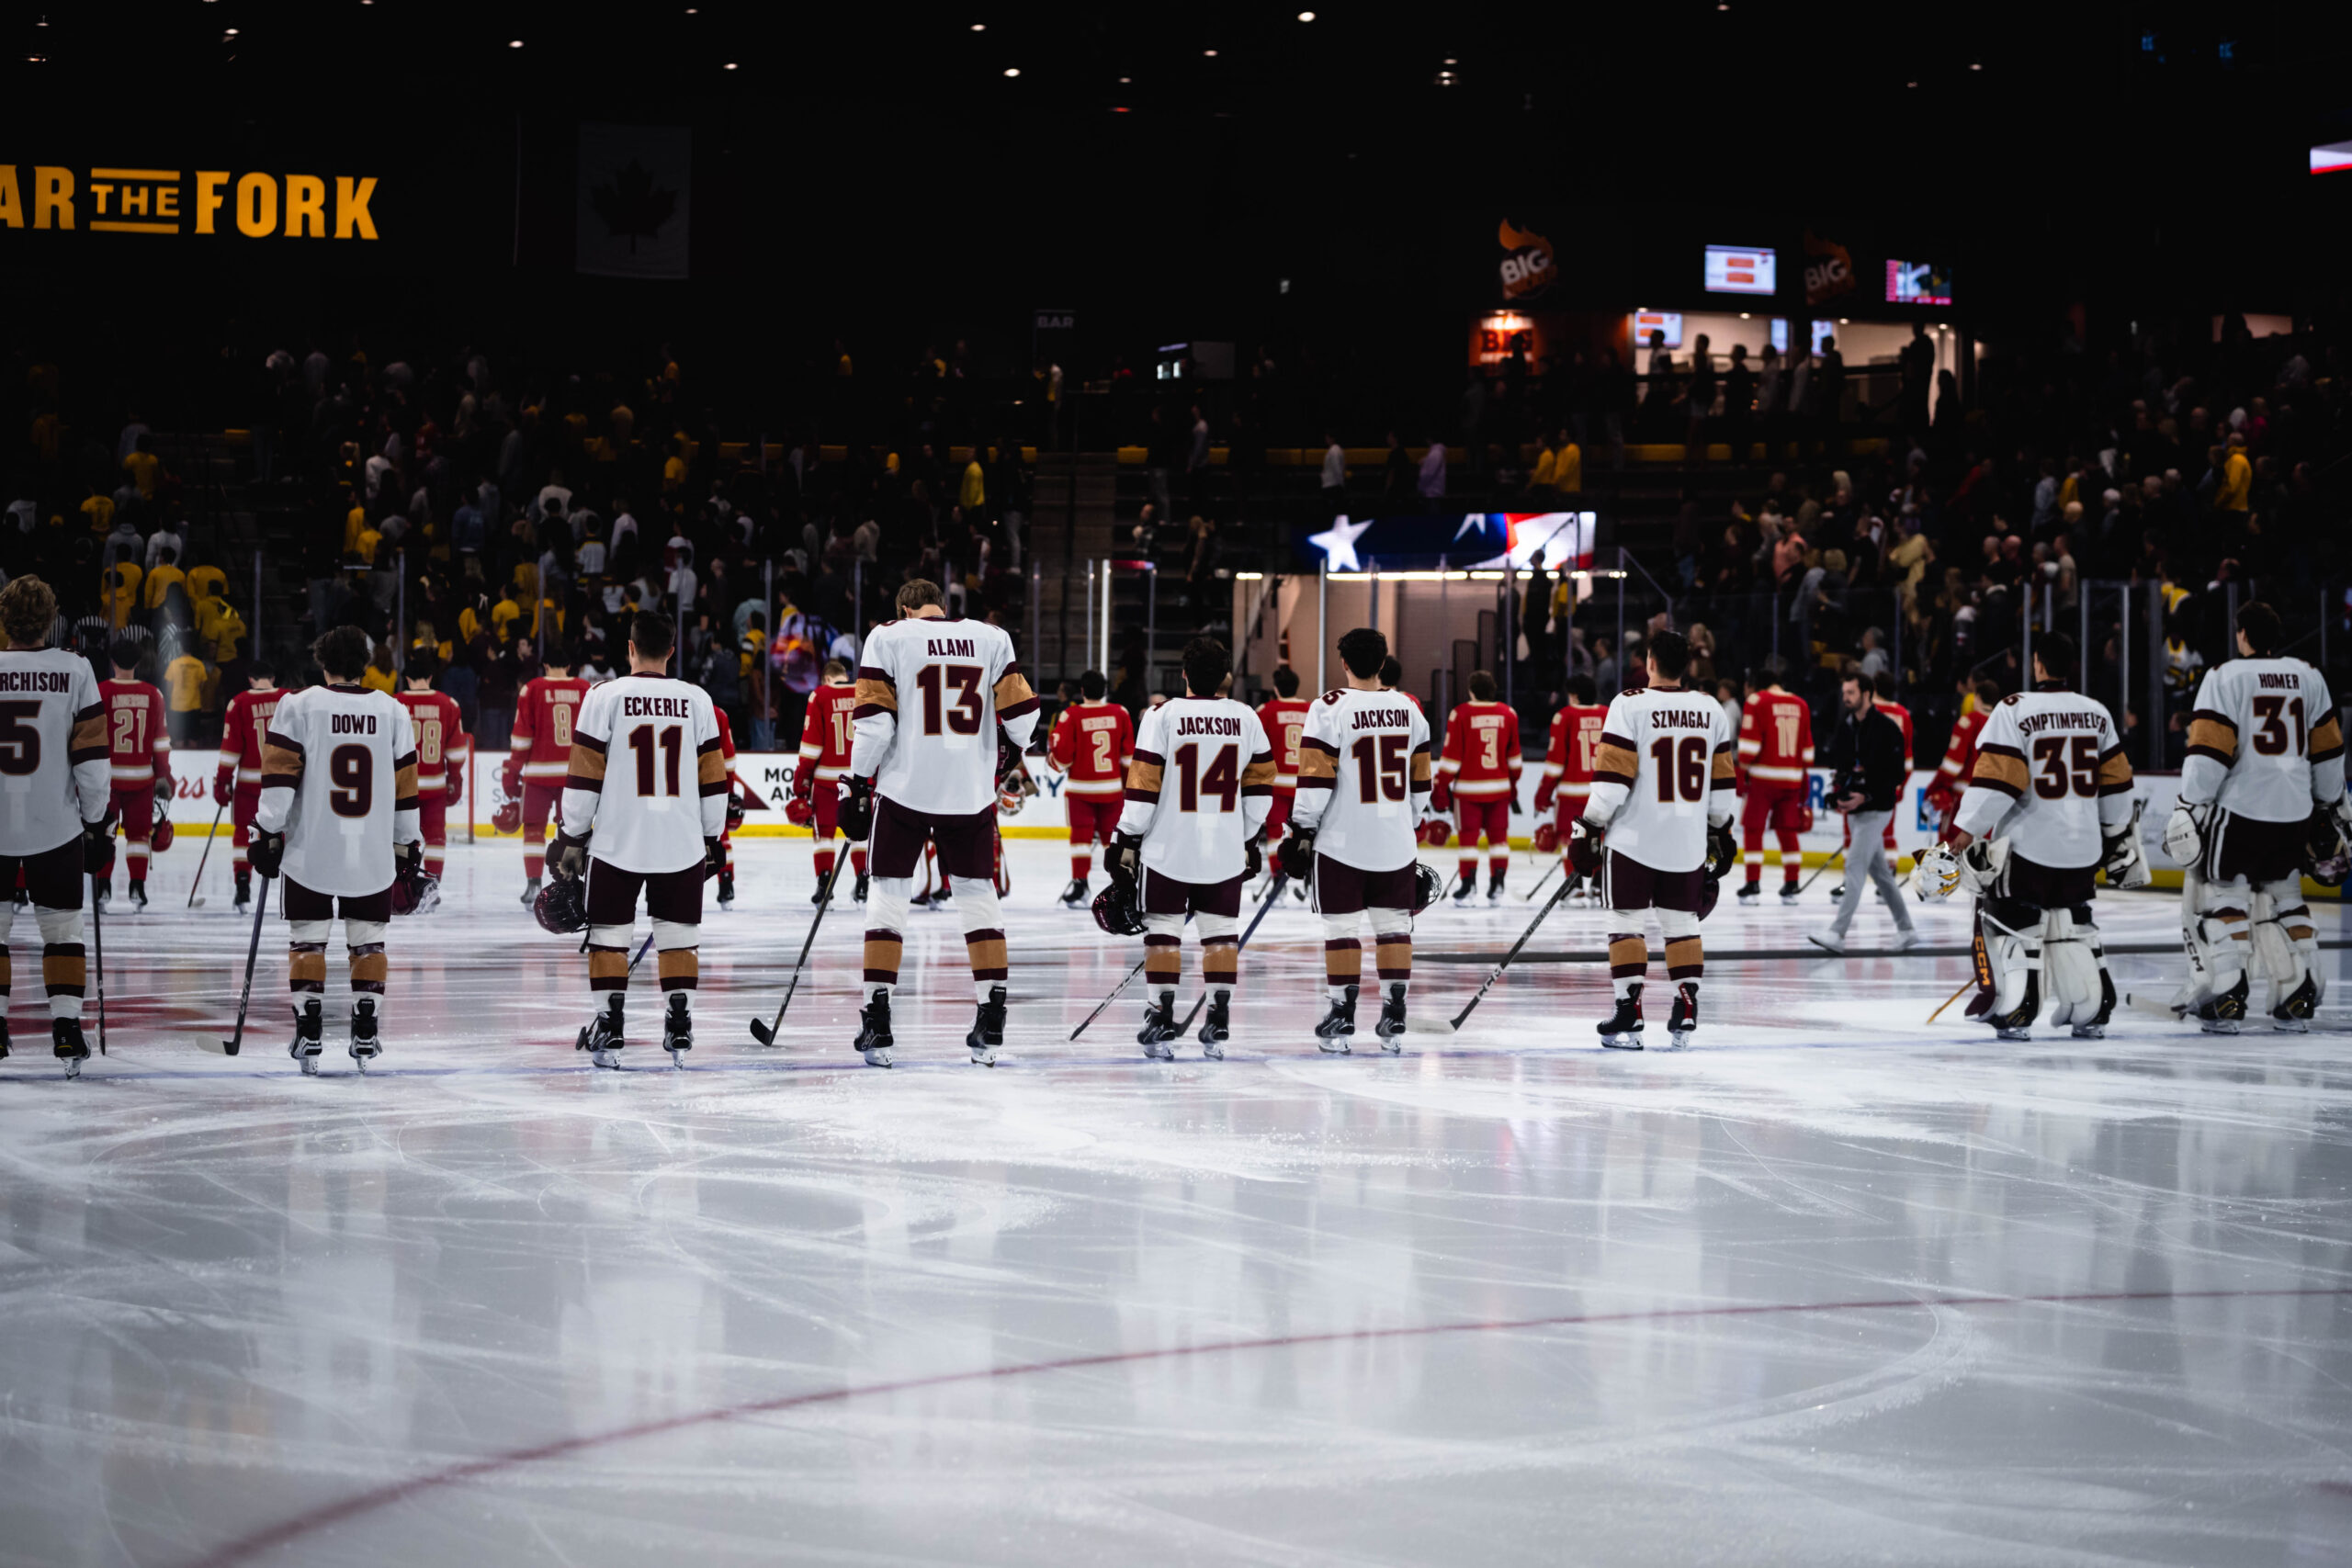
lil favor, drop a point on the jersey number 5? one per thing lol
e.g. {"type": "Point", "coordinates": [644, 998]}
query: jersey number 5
{"type": "Point", "coordinates": [19, 741]}
{"type": "Point", "coordinates": [933, 681]}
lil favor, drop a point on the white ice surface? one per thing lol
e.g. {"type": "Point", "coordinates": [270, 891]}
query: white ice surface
{"type": "Point", "coordinates": [1752, 1303]}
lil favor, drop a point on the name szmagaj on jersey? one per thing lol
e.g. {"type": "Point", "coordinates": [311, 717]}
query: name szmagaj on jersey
{"type": "Point", "coordinates": [1680, 718]}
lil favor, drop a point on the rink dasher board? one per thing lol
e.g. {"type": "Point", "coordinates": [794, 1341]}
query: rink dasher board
{"type": "Point", "coordinates": [770, 774]}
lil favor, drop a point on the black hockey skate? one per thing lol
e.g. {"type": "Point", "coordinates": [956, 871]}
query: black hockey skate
{"type": "Point", "coordinates": [857, 894]}
{"type": "Point", "coordinates": [602, 1039]}
{"type": "Point", "coordinates": [530, 893]}
{"type": "Point", "coordinates": [71, 1049]}
{"type": "Point", "coordinates": [1390, 1027]}
{"type": "Point", "coordinates": [1159, 1029]}
{"type": "Point", "coordinates": [1074, 895]}
{"type": "Point", "coordinates": [103, 897]}
{"type": "Point", "coordinates": [1621, 1031]}
{"type": "Point", "coordinates": [2017, 1022]}
{"type": "Point", "coordinates": [1331, 1034]}
{"type": "Point", "coordinates": [726, 889]}
{"type": "Point", "coordinates": [1466, 889]}
{"type": "Point", "coordinates": [245, 894]}
{"type": "Point", "coordinates": [366, 1041]}
{"type": "Point", "coordinates": [310, 1035]}
{"type": "Point", "coordinates": [3, 1036]}
{"type": "Point", "coordinates": [988, 1028]}
{"type": "Point", "coordinates": [1752, 892]}
{"type": "Point", "coordinates": [2294, 1013]}
{"type": "Point", "coordinates": [139, 895]}
{"type": "Point", "coordinates": [1789, 892]}
{"type": "Point", "coordinates": [2096, 1028]}
{"type": "Point", "coordinates": [1682, 1018]}
{"type": "Point", "coordinates": [678, 1030]}
{"type": "Point", "coordinates": [1494, 887]}
{"type": "Point", "coordinates": [874, 1031]}
{"type": "Point", "coordinates": [1217, 1028]}
{"type": "Point", "coordinates": [2225, 1014]}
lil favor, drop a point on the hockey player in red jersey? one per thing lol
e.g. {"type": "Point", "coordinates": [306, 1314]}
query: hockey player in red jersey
{"type": "Point", "coordinates": [237, 781]}
{"type": "Point", "coordinates": [1775, 757]}
{"type": "Point", "coordinates": [825, 737]}
{"type": "Point", "coordinates": [1092, 744]}
{"type": "Point", "coordinates": [1478, 778]}
{"type": "Point", "coordinates": [1285, 717]}
{"type": "Point", "coordinates": [139, 763]}
{"type": "Point", "coordinates": [1568, 770]}
{"type": "Point", "coordinates": [540, 754]}
{"type": "Point", "coordinates": [443, 749]}
{"type": "Point", "coordinates": [1959, 759]}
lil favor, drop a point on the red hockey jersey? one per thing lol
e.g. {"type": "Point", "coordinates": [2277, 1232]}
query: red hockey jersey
{"type": "Point", "coordinates": [1481, 760]}
{"type": "Point", "coordinates": [242, 730]}
{"type": "Point", "coordinates": [1094, 743]}
{"type": "Point", "coordinates": [543, 716]}
{"type": "Point", "coordinates": [1960, 762]}
{"type": "Point", "coordinates": [1902, 716]}
{"type": "Point", "coordinates": [1285, 721]}
{"type": "Point", "coordinates": [1567, 761]}
{"type": "Point", "coordinates": [441, 743]}
{"type": "Point", "coordinates": [826, 734]}
{"type": "Point", "coordinates": [1775, 739]}
{"type": "Point", "coordinates": [138, 752]}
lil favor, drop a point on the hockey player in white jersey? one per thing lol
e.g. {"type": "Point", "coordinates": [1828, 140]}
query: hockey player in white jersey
{"type": "Point", "coordinates": [2047, 807]}
{"type": "Point", "coordinates": [1656, 834]}
{"type": "Point", "coordinates": [937, 700]}
{"type": "Point", "coordinates": [54, 793]}
{"type": "Point", "coordinates": [2261, 799]}
{"type": "Point", "coordinates": [644, 804]}
{"type": "Point", "coordinates": [1364, 790]}
{"type": "Point", "coordinates": [338, 816]}
{"type": "Point", "coordinates": [1197, 795]}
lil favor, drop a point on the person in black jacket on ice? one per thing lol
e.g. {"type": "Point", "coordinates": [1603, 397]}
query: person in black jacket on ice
{"type": "Point", "coordinates": [1866, 754]}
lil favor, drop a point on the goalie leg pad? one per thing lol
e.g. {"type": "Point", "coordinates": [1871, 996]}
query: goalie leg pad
{"type": "Point", "coordinates": [2073, 968]}
{"type": "Point", "coordinates": [2285, 940]}
{"type": "Point", "coordinates": [2012, 933]}
{"type": "Point", "coordinates": [2221, 937]}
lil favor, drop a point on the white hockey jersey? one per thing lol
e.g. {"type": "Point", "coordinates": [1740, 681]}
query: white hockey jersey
{"type": "Point", "coordinates": [1199, 788]}
{"type": "Point", "coordinates": [338, 778]}
{"type": "Point", "coordinates": [2264, 740]}
{"type": "Point", "coordinates": [1662, 773]}
{"type": "Point", "coordinates": [649, 776]}
{"type": "Point", "coordinates": [930, 692]}
{"type": "Point", "coordinates": [2050, 778]}
{"type": "Point", "coordinates": [53, 763]}
{"type": "Point", "coordinates": [1363, 777]}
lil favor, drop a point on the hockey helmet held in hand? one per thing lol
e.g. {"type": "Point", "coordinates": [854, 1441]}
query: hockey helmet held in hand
{"type": "Point", "coordinates": [1115, 912]}
{"type": "Point", "coordinates": [800, 811]}
{"type": "Point", "coordinates": [1710, 889]}
{"type": "Point", "coordinates": [161, 839]}
{"type": "Point", "coordinates": [420, 890]}
{"type": "Point", "coordinates": [508, 818]}
{"type": "Point", "coordinates": [2326, 858]}
{"type": "Point", "coordinates": [1428, 887]}
{"type": "Point", "coordinates": [1547, 838]}
{"type": "Point", "coordinates": [562, 907]}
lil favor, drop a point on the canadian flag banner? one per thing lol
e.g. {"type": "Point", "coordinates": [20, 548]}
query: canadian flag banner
{"type": "Point", "coordinates": [635, 180]}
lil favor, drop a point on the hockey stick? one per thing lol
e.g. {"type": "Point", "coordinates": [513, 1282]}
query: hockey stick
{"type": "Point", "coordinates": [1272, 898]}
{"type": "Point", "coordinates": [228, 1047]}
{"type": "Point", "coordinates": [206, 858]}
{"type": "Point", "coordinates": [98, 941]}
{"type": "Point", "coordinates": [766, 1036]}
{"type": "Point", "coordinates": [1824, 866]}
{"type": "Point", "coordinates": [1112, 997]}
{"type": "Point", "coordinates": [1529, 897]}
{"type": "Point", "coordinates": [1965, 985]}
{"type": "Point", "coordinates": [1443, 1028]}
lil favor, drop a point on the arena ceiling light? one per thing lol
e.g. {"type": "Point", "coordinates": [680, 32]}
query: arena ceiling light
{"type": "Point", "coordinates": [1012, 71]}
{"type": "Point", "coordinates": [1306, 16]}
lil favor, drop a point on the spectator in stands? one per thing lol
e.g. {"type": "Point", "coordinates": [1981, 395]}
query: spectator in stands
{"type": "Point", "coordinates": [1335, 477]}
{"type": "Point", "coordinates": [1431, 484]}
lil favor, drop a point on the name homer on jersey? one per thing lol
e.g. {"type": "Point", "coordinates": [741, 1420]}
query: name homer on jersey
{"type": "Point", "coordinates": [1382, 719]}
{"type": "Point", "coordinates": [2078, 718]}
{"type": "Point", "coordinates": [37, 681]}
{"type": "Point", "coordinates": [1679, 718]}
{"type": "Point", "coordinates": [2279, 681]}
{"type": "Point", "coordinates": [951, 647]}
{"type": "Point", "coordinates": [656, 707]}
{"type": "Point", "coordinates": [1208, 724]}
{"type": "Point", "coordinates": [351, 724]}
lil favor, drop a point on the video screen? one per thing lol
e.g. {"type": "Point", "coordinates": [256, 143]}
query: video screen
{"type": "Point", "coordinates": [1917, 283]}
{"type": "Point", "coordinates": [1732, 269]}
{"type": "Point", "coordinates": [2335, 157]}
{"type": "Point", "coordinates": [1648, 322]}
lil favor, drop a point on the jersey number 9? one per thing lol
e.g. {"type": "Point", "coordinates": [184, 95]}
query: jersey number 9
{"type": "Point", "coordinates": [352, 772]}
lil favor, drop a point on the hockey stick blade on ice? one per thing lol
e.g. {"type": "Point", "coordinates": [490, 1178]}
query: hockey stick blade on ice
{"type": "Point", "coordinates": [1114, 997]}
{"type": "Point", "coordinates": [766, 1034]}
{"type": "Point", "coordinates": [229, 1047]}
{"type": "Point", "coordinates": [1270, 900]}
{"type": "Point", "coordinates": [1436, 1026]}
{"type": "Point", "coordinates": [1529, 897]}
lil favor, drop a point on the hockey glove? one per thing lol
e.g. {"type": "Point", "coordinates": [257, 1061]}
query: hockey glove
{"type": "Point", "coordinates": [2123, 856]}
{"type": "Point", "coordinates": [1296, 856]}
{"type": "Point", "coordinates": [735, 811]}
{"type": "Point", "coordinates": [1253, 859]}
{"type": "Point", "coordinates": [1723, 850]}
{"type": "Point", "coordinates": [1543, 793]}
{"type": "Point", "coordinates": [408, 865]}
{"type": "Point", "coordinates": [1123, 861]}
{"type": "Point", "coordinates": [714, 857]}
{"type": "Point", "coordinates": [2341, 813]}
{"type": "Point", "coordinates": [267, 852]}
{"type": "Point", "coordinates": [456, 784]}
{"type": "Point", "coordinates": [98, 847]}
{"type": "Point", "coordinates": [1547, 838]}
{"type": "Point", "coordinates": [1585, 841]}
{"type": "Point", "coordinates": [800, 811]}
{"type": "Point", "coordinates": [1440, 796]}
{"type": "Point", "coordinates": [567, 856]}
{"type": "Point", "coordinates": [1983, 864]}
{"type": "Point", "coordinates": [223, 789]}
{"type": "Point", "coordinates": [2184, 832]}
{"type": "Point", "coordinates": [1936, 874]}
{"type": "Point", "coordinates": [854, 816]}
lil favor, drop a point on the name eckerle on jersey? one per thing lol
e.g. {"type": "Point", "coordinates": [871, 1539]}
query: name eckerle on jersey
{"type": "Point", "coordinates": [656, 707]}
